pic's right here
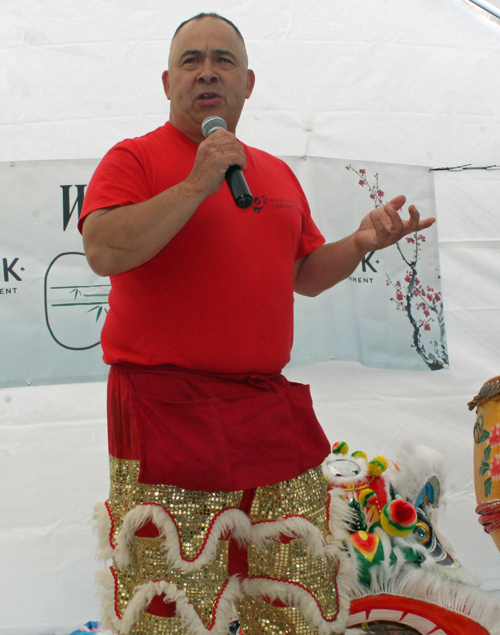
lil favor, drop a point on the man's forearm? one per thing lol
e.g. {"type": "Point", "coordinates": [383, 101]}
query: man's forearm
{"type": "Point", "coordinates": [326, 266]}
{"type": "Point", "coordinates": [331, 263]}
{"type": "Point", "coordinates": [122, 238]}
{"type": "Point", "coordinates": [119, 239]}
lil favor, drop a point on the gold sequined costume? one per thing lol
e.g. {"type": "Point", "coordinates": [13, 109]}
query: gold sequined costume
{"type": "Point", "coordinates": [177, 558]}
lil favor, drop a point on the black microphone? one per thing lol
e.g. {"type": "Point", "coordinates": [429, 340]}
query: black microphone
{"type": "Point", "coordinates": [234, 175]}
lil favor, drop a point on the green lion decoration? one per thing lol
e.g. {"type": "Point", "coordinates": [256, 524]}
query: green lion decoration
{"type": "Point", "coordinates": [407, 576]}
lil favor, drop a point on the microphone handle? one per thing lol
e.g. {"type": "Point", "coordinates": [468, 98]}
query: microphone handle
{"type": "Point", "coordinates": [238, 186]}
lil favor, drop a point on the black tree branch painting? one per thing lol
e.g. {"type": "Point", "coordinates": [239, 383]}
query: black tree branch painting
{"type": "Point", "coordinates": [421, 304]}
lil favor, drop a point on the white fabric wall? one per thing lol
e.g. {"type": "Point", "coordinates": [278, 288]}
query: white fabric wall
{"type": "Point", "coordinates": [413, 82]}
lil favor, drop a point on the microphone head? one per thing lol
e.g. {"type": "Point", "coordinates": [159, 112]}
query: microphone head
{"type": "Point", "coordinates": [211, 124]}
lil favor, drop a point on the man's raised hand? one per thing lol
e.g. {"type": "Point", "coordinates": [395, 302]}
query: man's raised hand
{"type": "Point", "coordinates": [215, 155]}
{"type": "Point", "coordinates": [384, 226]}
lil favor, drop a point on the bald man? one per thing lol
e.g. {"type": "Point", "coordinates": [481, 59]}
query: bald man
{"type": "Point", "coordinates": [217, 499]}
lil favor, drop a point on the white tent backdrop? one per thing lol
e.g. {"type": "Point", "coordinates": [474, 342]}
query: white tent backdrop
{"type": "Point", "coordinates": [414, 82]}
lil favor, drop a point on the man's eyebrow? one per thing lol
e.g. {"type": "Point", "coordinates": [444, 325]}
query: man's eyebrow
{"type": "Point", "coordinates": [224, 52]}
{"type": "Point", "coordinates": [215, 52]}
{"type": "Point", "coordinates": [190, 52]}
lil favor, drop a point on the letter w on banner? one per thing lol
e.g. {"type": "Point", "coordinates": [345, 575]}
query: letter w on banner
{"type": "Point", "coordinates": [389, 312]}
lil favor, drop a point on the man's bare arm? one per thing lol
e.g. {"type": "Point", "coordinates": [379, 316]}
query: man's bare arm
{"type": "Point", "coordinates": [329, 264]}
{"type": "Point", "coordinates": [117, 239]}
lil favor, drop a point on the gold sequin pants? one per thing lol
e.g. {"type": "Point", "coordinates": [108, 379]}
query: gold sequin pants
{"type": "Point", "coordinates": [185, 559]}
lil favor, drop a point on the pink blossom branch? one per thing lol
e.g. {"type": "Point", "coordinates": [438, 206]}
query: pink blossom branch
{"type": "Point", "coordinates": [411, 297]}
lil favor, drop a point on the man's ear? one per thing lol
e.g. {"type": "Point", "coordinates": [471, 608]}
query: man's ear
{"type": "Point", "coordinates": [250, 82]}
{"type": "Point", "coordinates": [166, 83]}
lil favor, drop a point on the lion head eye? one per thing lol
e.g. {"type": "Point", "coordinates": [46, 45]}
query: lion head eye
{"type": "Point", "coordinates": [422, 533]}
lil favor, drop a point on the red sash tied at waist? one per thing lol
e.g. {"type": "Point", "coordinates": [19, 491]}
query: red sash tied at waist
{"type": "Point", "coordinates": [213, 432]}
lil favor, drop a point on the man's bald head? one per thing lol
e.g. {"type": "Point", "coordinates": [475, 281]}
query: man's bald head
{"type": "Point", "coordinates": [201, 16]}
{"type": "Point", "coordinates": [212, 14]}
{"type": "Point", "coordinates": [207, 74]}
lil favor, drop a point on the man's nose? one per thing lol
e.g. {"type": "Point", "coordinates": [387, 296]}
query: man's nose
{"type": "Point", "coordinates": [207, 74]}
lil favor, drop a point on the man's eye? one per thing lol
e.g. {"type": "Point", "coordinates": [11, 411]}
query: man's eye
{"type": "Point", "coordinates": [190, 60]}
{"type": "Point", "coordinates": [225, 60]}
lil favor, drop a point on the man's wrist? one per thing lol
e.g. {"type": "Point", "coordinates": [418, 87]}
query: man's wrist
{"type": "Point", "coordinates": [360, 250]}
{"type": "Point", "coordinates": [192, 189]}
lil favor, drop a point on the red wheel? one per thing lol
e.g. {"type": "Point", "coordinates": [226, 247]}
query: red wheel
{"type": "Point", "coordinates": [422, 618]}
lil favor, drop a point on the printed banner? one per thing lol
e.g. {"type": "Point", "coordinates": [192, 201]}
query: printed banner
{"type": "Point", "coordinates": [388, 314]}
{"type": "Point", "coordinates": [53, 305]}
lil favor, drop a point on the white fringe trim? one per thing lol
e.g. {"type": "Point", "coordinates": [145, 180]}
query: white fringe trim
{"type": "Point", "coordinates": [298, 597]}
{"type": "Point", "coordinates": [184, 609]}
{"type": "Point", "coordinates": [340, 546]}
{"type": "Point", "coordinates": [347, 582]}
{"type": "Point", "coordinates": [233, 520]}
{"type": "Point", "coordinates": [336, 547]}
{"type": "Point", "coordinates": [437, 589]}
{"type": "Point", "coordinates": [238, 523]}
{"type": "Point", "coordinates": [457, 574]}
{"type": "Point", "coordinates": [106, 591]}
{"type": "Point", "coordinates": [340, 516]}
{"type": "Point", "coordinates": [102, 527]}
{"type": "Point", "coordinates": [293, 527]}
{"type": "Point", "coordinates": [387, 547]}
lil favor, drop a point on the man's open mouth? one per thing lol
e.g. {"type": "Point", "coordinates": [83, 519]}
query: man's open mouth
{"type": "Point", "coordinates": [208, 96]}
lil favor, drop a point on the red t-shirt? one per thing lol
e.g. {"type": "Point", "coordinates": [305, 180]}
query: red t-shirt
{"type": "Point", "coordinates": [219, 296]}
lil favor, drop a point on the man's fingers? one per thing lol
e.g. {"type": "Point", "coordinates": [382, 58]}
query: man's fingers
{"type": "Point", "coordinates": [384, 225]}
{"type": "Point", "coordinates": [397, 202]}
{"type": "Point", "coordinates": [219, 151]}
{"type": "Point", "coordinates": [405, 227]}
{"type": "Point", "coordinates": [414, 218]}
{"type": "Point", "coordinates": [379, 226]}
{"type": "Point", "coordinates": [415, 223]}
{"type": "Point", "coordinates": [213, 158]}
{"type": "Point", "coordinates": [424, 224]}
{"type": "Point", "coordinates": [397, 223]}
{"type": "Point", "coordinates": [229, 145]}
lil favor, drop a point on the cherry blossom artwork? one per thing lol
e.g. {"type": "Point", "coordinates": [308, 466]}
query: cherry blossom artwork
{"type": "Point", "coordinates": [388, 313]}
{"type": "Point", "coordinates": [420, 303]}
